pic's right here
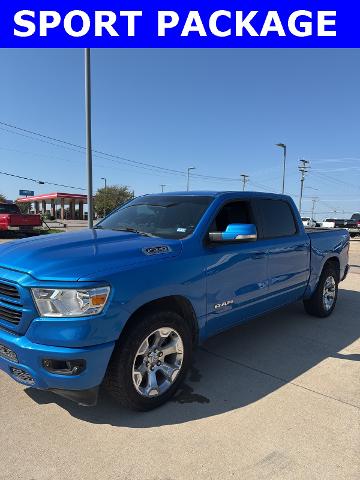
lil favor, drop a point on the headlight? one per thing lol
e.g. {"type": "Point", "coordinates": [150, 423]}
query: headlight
{"type": "Point", "coordinates": [53, 302]}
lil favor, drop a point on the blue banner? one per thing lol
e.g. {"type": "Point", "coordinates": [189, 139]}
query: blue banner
{"type": "Point", "coordinates": [179, 24]}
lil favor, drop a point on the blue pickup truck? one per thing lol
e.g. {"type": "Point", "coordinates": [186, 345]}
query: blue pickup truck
{"type": "Point", "coordinates": [124, 304]}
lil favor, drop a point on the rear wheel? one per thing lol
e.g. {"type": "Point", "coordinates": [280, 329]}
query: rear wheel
{"type": "Point", "coordinates": [150, 362]}
{"type": "Point", "coordinates": [323, 300]}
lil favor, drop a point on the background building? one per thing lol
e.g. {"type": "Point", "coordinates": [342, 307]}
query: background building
{"type": "Point", "coordinates": [63, 206]}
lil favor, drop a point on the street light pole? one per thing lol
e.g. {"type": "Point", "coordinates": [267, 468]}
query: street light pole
{"type": "Point", "coordinates": [188, 177]}
{"type": "Point", "coordinates": [283, 146]}
{"type": "Point", "coordinates": [245, 179]}
{"type": "Point", "coordinates": [103, 178]}
{"type": "Point", "coordinates": [90, 199]}
{"type": "Point", "coordinates": [162, 187]}
{"type": "Point", "coordinates": [303, 167]}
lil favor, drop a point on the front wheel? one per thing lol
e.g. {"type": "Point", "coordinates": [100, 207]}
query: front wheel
{"type": "Point", "coordinates": [150, 362]}
{"type": "Point", "coordinates": [323, 300]}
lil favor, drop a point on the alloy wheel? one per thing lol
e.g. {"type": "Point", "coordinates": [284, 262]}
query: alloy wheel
{"type": "Point", "coordinates": [329, 292]}
{"type": "Point", "coordinates": [158, 362]}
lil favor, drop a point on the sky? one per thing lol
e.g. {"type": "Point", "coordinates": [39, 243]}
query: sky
{"type": "Point", "coordinates": [220, 111]}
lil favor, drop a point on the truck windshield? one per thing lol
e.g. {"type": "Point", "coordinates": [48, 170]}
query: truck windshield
{"type": "Point", "coordinates": [9, 208]}
{"type": "Point", "coordinates": [159, 215]}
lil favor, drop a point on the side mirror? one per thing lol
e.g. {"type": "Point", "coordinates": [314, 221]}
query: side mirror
{"type": "Point", "coordinates": [235, 232]}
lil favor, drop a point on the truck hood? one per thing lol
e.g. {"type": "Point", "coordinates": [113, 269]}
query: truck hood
{"type": "Point", "coordinates": [78, 255]}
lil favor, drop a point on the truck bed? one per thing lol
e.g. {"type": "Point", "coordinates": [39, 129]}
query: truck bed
{"type": "Point", "coordinates": [322, 229]}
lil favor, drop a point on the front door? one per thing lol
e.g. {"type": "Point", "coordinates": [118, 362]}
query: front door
{"type": "Point", "coordinates": [237, 284]}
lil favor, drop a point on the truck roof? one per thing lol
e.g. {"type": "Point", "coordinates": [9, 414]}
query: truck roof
{"type": "Point", "coordinates": [225, 193]}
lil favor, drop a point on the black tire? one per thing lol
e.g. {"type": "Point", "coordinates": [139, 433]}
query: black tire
{"type": "Point", "coordinates": [315, 305]}
{"type": "Point", "coordinates": [119, 381]}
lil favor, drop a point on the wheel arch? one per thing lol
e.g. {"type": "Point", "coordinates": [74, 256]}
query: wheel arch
{"type": "Point", "coordinates": [173, 303]}
{"type": "Point", "coordinates": [316, 272]}
{"type": "Point", "coordinates": [334, 262]}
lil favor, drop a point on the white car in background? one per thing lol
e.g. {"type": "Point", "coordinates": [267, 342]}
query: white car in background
{"type": "Point", "coordinates": [328, 223]}
{"type": "Point", "coordinates": [308, 222]}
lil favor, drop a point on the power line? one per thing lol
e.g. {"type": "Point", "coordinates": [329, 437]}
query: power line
{"type": "Point", "coordinates": [40, 140]}
{"type": "Point", "coordinates": [107, 156]}
{"type": "Point", "coordinates": [41, 182]}
{"type": "Point", "coordinates": [74, 145]}
{"type": "Point", "coordinates": [199, 176]}
{"type": "Point", "coordinates": [328, 205]}
{"type": "Point", "coordinates": [118, 159]}
{"type": "Point", "coordinates": [27, 152]}
{"type": "Point", "coordinates": [334, 180]}
{"type": "Point", "coordinates": [262, 187]}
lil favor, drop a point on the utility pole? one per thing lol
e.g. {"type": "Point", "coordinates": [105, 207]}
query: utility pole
{"type": "Point", "coordinates": [283, 146]}
{"type": "Point", "coordinates": [162, 187]}
{"type": "Point", "coordinates": [314, 200]}
{"type": "Point", "coordinates": [245, 179]}
{"type": "Point", "coordinates": [303, 167]}
{"type": "Point", "coordinates": [105, 196]}
{"type": "Point", "coordinates": [90, 199]}
{"type": "Point", "coordinates": [188, 177]}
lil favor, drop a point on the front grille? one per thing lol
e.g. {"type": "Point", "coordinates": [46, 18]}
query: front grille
{"type": "Point", "coordinates": [17, 308]}
{"type": "Point", "coordinates": [9, 291]}
{"type": "Point", "coordinates": [10, 315]}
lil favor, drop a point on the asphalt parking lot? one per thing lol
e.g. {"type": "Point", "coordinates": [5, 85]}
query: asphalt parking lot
{"type": "Point", "coordinates": [277, 398]}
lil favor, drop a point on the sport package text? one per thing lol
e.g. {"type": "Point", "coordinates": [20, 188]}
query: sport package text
{"type": "Point", "coordinates": [220, 23]}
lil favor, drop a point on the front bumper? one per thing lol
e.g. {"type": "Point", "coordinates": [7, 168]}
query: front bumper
{"type": "Point", "coordinates": [29, 359]}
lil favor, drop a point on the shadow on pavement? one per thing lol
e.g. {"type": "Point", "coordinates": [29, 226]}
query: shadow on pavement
{"type": "Point", "coordinates": [239, 367]}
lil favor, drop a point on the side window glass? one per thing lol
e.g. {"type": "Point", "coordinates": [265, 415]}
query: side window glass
{"type": "Point", "coordinates": [234, 212]}
{"type": "Point", "coordinates": [277, 218]}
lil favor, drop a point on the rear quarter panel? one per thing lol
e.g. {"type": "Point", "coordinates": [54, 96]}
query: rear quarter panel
{"type": "Point", "coordinates": [326, 244]}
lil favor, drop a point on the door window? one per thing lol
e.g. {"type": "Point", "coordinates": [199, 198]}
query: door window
{"type": "Point", "coordinates": [277, 218]}
{"type": "Point", "coordinates": [234, 212]}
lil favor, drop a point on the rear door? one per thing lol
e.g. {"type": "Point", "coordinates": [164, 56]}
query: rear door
{"type": "Point", "coordinates": [288, 250]}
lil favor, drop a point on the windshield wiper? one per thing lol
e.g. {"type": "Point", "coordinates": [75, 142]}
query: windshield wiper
{"type": "Point", "coordinates": [133, 230]}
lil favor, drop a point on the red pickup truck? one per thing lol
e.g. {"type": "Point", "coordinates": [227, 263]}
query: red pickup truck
{"type": "Point", "coordinates": [11, 218]}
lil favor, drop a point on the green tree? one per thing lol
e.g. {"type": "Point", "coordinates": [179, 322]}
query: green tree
{"type": "Point", "coordinates": [2, 198]}
{"type": "Point", "coordinates": [24, 207]}
{"type": "Point", "coordinates": [107, 199]}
